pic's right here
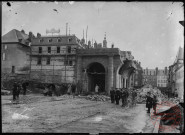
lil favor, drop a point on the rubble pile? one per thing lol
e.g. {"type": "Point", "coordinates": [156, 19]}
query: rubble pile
{"type": "Point", "coordinates": [97, 98]}
{"type": "Point", "coordinates": [141, 94]}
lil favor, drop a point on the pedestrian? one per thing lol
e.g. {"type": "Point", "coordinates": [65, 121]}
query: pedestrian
{"type": "Point", "coordinates": [154, 104]}
{"type": "Point", "coordinates": [117, 96]}
{"type": "Point", "coordinates": [53, 89]}
{"type": "Point", "coordinates": [96, 89]}
{"type": "Point", "coordinates": [18, 90]}
{"type": "Point", "coordinates": [134, 95]}
{"type": "Point", "coordinates": [14, 91]}
{"type": "Point", "coordinates": [73, 89]}
{"type": "Point", "coordinates": [112, 95]}
{"type": "Point", "coordinates": [50, 90]}
{"type": "Point", "coordinates": [123, 97]}
{"type": "Point", "coordinates": [69, 89]}
{"type": "Point", "coordinates": [126, 96]}
{"type": "Point", "coordinates": [24, 86]}
{"type": "Point", "coordinates": [149, 101]}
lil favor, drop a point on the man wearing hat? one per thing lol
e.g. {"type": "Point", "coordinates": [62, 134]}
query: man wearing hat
{"type": "Point", "coordinates": [149, 102]}
{"type": "Point", "coordinates": [117, 96]}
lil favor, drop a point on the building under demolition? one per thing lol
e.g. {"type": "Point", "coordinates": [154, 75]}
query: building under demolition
{"type": "Point", "coordinates": [66, 59]}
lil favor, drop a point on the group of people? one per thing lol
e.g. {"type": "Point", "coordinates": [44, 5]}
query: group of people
{"type": "Point", "coordinates": [128, 98]}
{"type": "Point", "coordinates": [17, 87]}
{"type": "Point", "coordinates": [52, 89]}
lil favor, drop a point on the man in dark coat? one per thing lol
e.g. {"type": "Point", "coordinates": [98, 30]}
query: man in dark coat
{"type": "Point", "coordinates": [117, 96]}
{"type": "Point", "coordinates": [154, 104]}
{"type": "Point", "coordinates": [123, 97]}
{"type": "Point", "coordinates": [149, 102]}
{"type": "Point", "coordinates": [24, 86]}
{"type": "Point", "coordinates": [14, 91]}
{"type": "Point", "coordinates": [112, 95]}
{"type": "Point", "coordinates": [126, 97]}
{"type": "Point", "coordinates": [18, 90]}
{"type": "Point", "coordinates": [73, 89]}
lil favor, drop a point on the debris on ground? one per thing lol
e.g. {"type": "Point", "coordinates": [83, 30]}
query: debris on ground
{"type": "Point", "coordinates": [98, 98]}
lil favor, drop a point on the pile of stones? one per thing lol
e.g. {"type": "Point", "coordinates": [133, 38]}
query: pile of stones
{"type": "Point", "coordinates": [102, 98]}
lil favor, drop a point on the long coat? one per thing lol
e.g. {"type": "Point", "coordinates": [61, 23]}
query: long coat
{"type": "Point", "coordinates": [149, 102]}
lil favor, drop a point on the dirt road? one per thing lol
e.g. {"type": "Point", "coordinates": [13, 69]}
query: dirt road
{"type": "Point", "coordinates": [65, 114]}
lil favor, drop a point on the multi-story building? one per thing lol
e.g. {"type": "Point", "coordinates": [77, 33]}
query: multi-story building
{"type": "Point", "coordinates": [150, 77]}
{"type": "Point", "coordinates": [162, 78]}
{"type": "Point", "coordinates": [15, 55]}
{"type": "Point", "coordinates": [176, 75]}
{"type": "Point", "coordinates": [53, 58]}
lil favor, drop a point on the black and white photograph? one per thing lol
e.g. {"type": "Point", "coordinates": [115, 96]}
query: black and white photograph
{"type": "Point", "coordinates": [92, 67]}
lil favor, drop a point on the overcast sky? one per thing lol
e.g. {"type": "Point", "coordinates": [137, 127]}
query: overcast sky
{"type": "Point", "coordinates": [150, 30]}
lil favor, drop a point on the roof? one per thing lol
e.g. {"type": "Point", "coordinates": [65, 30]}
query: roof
{"type": "Point", "coordinates": [44, 40]}
{"type": "Point", "coordinates": [15, 36]}
{"type": "Point", "coordinates": [180, 55]}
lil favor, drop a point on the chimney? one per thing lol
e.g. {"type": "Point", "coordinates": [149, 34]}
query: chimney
{"type": "Point", "coordinates": [156, 70]}
{"type": "Point", "coordinates": [112, 45]}
{"type": "Point", "coordinates": [165, 70]}
{"type": "Point", "coordinates": [66, 28]}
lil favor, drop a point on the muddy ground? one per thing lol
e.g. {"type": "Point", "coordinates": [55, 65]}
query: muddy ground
{"type": "Point", "coordinates": [37, 113]}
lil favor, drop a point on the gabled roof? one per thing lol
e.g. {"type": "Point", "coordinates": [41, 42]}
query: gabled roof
{"type": "Point", "coordinates": [14, 36]}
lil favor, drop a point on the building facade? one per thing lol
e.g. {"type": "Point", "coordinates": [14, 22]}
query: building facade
{"type": "Point", "coordinates": [150, 77]}
{"type": "Point", "coordinates": [176, 75]}
{"type": "Point", "coordinates": [138, 77]}
{"type": "Point", "coordinates": [15, 55]}
{"type": "Point", "coordinates": [162, 78]}
{"type": "Point", "coordinates": [53, 58]}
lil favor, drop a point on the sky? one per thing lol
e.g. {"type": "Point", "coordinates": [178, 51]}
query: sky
{"type": "Point", "coordinates": [150, 30]}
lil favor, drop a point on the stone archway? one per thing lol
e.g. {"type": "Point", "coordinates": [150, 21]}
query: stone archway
{"type": "Point", "coordinates": [96, 75]}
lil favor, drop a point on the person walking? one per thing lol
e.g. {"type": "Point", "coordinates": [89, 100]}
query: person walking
{"type": "Point", "coordinates": [117, 96]}
{"type": "Point", "coordinates": [154, 104]}
{"type": "Point", "coordinates": [24, 86]}
{"type": "Point", "coordinates": [73, 89]}
{"type": "Point", "coordinates": [53, 89]}
{"type": "Point", "coordinates": [18, 90]}
{"type": "Point", "coordinates": [123, 97]}
{"type": "Point", "coordinates": [149, 101]}
{"type": "Point", "coordinates": [96, 89]}
{"type": "Point", "coordinates": [69, 89]}
{"type": "Point", "coordinates": [112, 95]}
{"type": "Point", "coordinates": [126, 97]}
{"type": "Point", "coordinates": [14, 91]}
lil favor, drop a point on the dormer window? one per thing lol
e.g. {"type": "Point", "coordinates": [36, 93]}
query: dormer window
{"type": "Point", "coordinates": [70, 39]}
{"type": "Point", "coordinates": [41, 40]}
{"type": "Point", "coordinates": [59, 39]}
{"type": "Point", "coordinates": [50, 40]}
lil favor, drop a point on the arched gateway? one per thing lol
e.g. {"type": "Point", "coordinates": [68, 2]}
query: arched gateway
{"type": "Point", "coordinates": [103, 66]}
{"type": "Point", "coordinates": [96, 75]}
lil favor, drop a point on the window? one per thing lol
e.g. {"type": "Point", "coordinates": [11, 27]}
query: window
{"type": "Point", "coordinates": [39, 61]}
{"type": "Point", "coordinates": [40, 49]}
{"type": "Point", "coordinates": [13, 69]}
{"type": "Point", "coordinates": [5, 47]}
{"type": "Point", "coordinates": [70, 63]}
{"type": "Point", "coordinates": [48, 61]}
{"type": "Point", "coordinates": [58, 49]}
{"type": "Point", "coordinates": [59, 39]}
{"type": "Point", "coordinates": [70, 39]}
{"type": "Point", "coordinates": [49, 49]}
{"type": "Point", "coordinates": [3, 56]}
{"type": "Point", "coordinates": [66, 62]}
{"type": "Point", "coordinates": [69, 49]}
{"type": "Point", "coordinates": [41, 40]}
{"type": "Point", "coordinates": [50, 40]}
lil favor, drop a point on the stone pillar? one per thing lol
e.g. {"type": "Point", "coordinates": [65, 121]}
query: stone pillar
{"type": "Point", "coordinates": [110, 73]}
{"type": "Point", "coordinates": [125, 83]}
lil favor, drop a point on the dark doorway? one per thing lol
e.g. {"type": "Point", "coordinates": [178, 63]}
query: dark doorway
{"type": "Point", "coordinates": [96, 75]}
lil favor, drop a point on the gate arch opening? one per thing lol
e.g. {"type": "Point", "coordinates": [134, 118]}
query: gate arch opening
{"type": "Point", "coordinates": [96, 75]}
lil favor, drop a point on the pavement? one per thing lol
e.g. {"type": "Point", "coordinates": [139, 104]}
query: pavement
{"type": "Point", "coordinates": [65, 114]}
